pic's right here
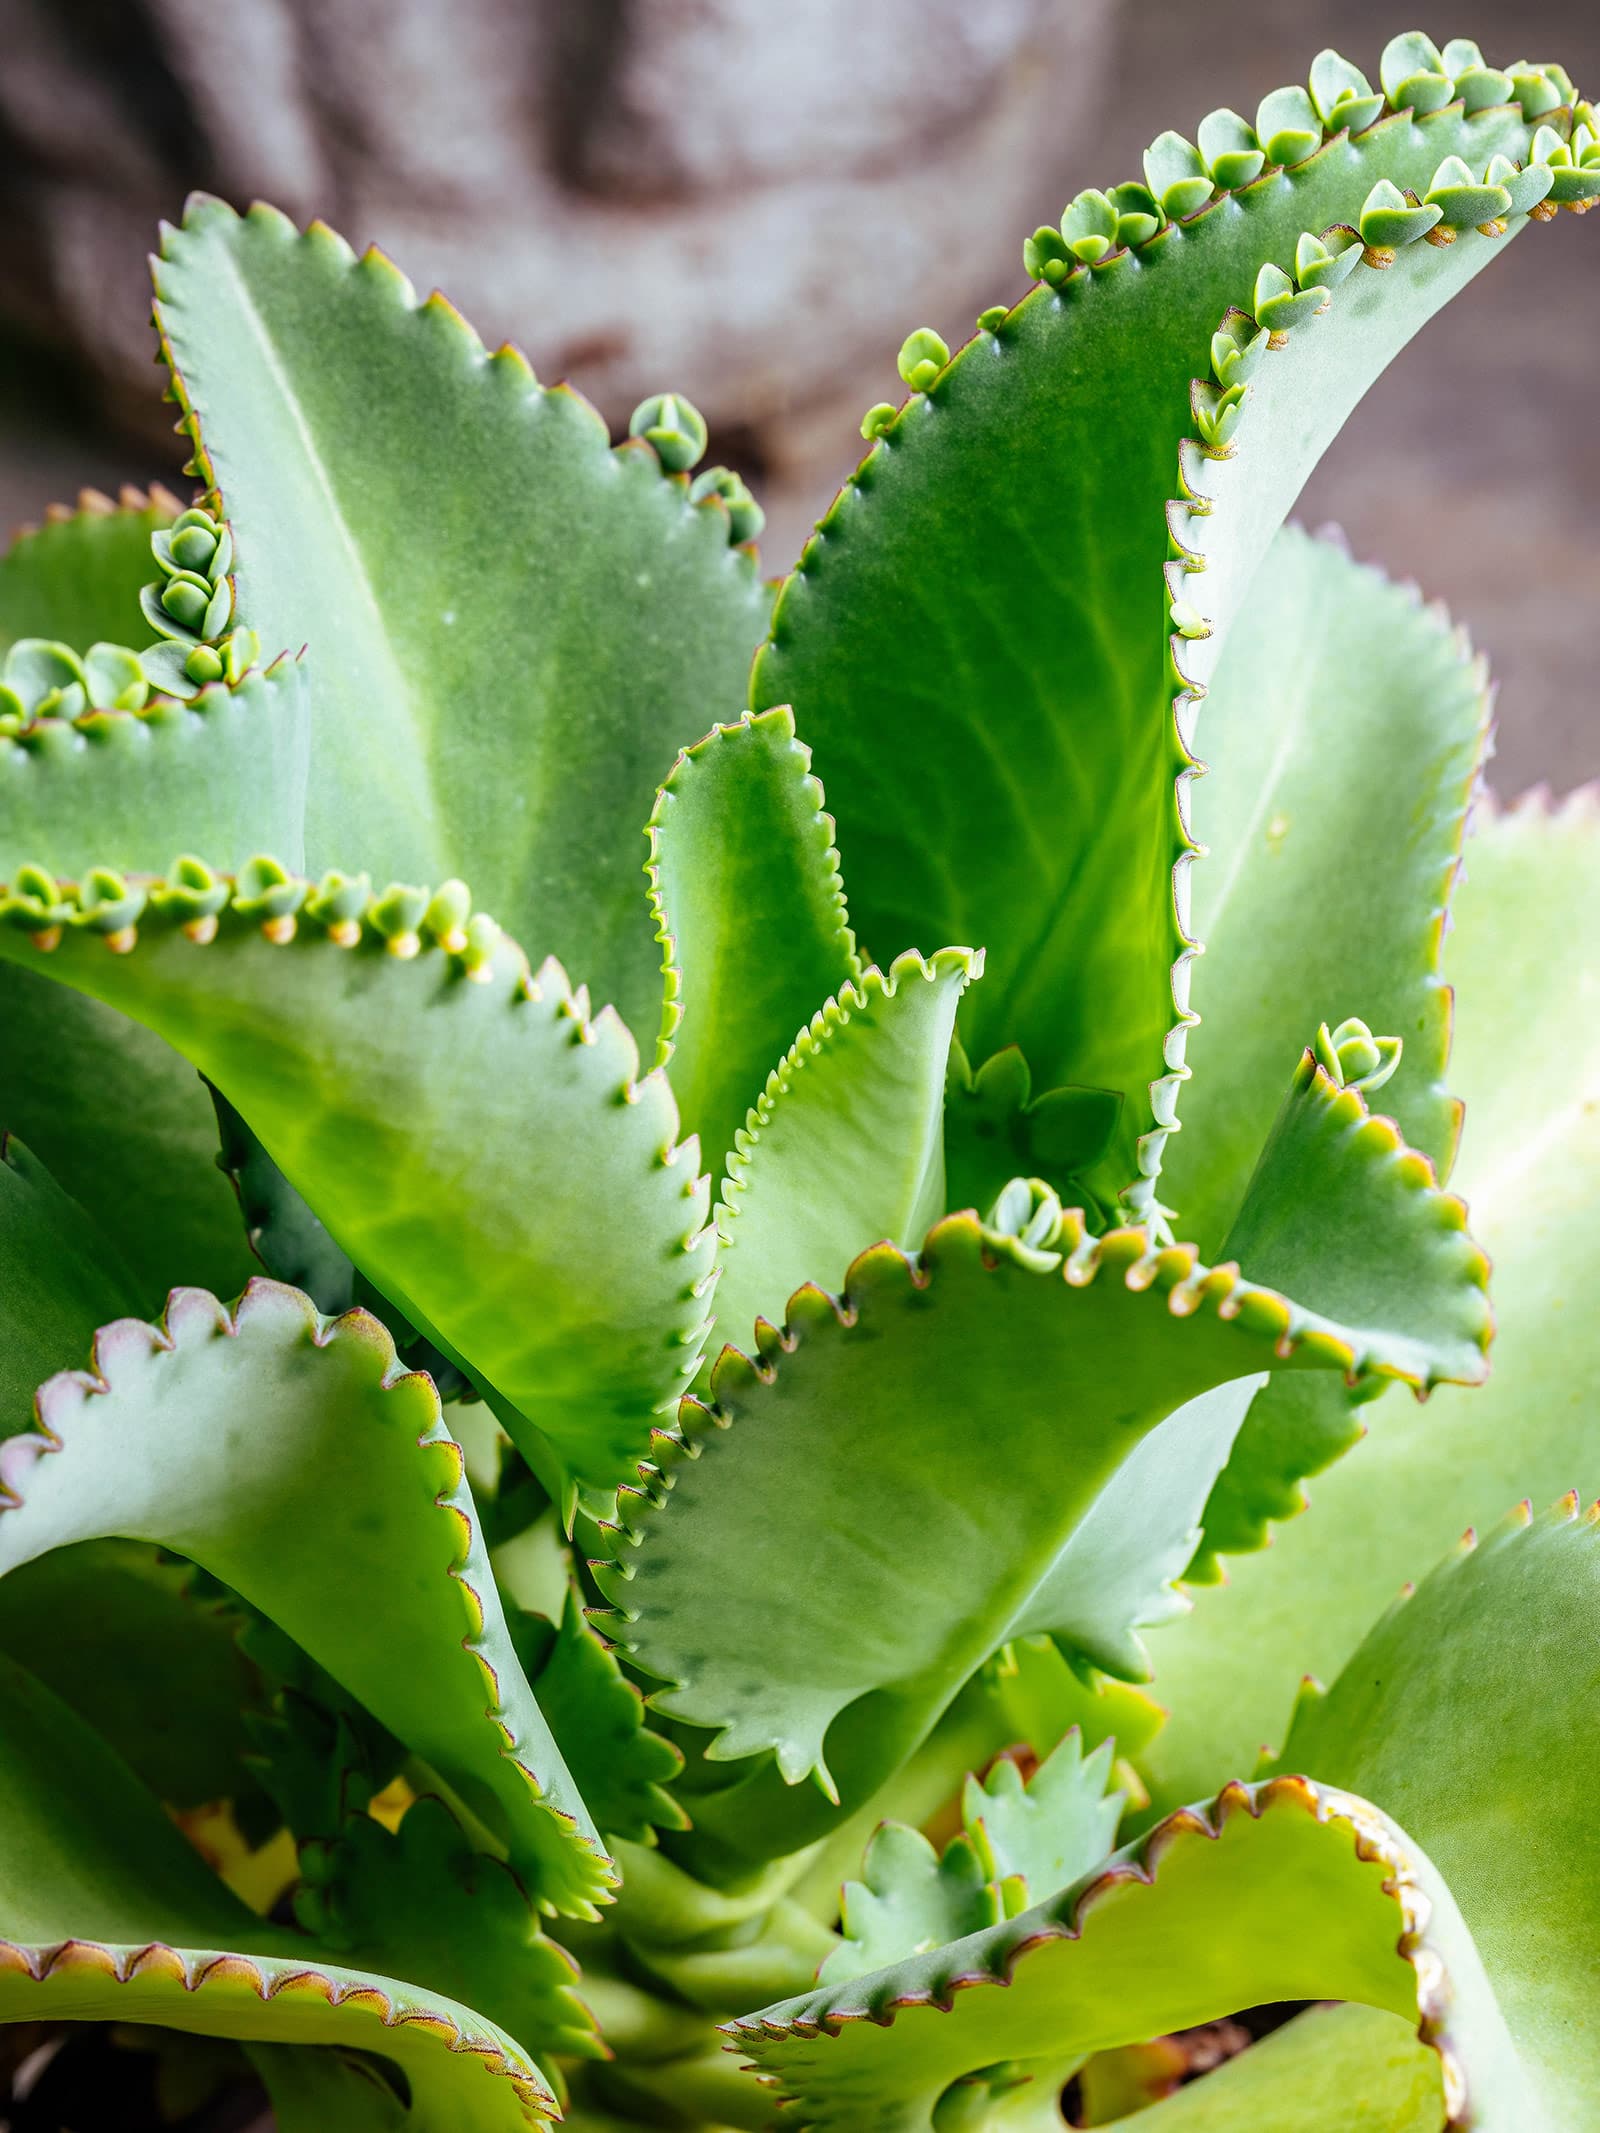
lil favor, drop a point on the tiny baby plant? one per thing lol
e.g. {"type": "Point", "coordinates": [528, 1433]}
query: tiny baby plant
{"type": "Point", "coordinates": [653, 1482]}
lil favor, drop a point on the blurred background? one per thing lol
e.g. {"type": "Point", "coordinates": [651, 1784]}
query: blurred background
{"type": "Point", "coordinates": [753, 202]}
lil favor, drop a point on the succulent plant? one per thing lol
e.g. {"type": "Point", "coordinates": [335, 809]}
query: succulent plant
{"type": "Point", "coordinates": [771, 1431]}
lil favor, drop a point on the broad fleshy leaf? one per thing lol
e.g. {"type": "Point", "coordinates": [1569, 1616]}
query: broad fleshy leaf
{"type": "Point", "coordinates": [1119, 1572]}
{"type": "Point", "coordinates": [968, 1408]}
{"type": "Point", "coordinates": [107, 1914]}
{"type": "Point", "coordinates": [951, 643]}
{"type": "Point", "coordinates": [242, 1440]}
{"type": "Point", "coordinates": [1345, 718]}
{"type": "Point", "coordinates": [126, 1127]}
{"type": "Point", "coordinates": [482, 580]}
{"type": "Point", "coordinates": [482, 1148]}
{"type": "Point", "coordinates": [752, 918]}
{"type": "Point", "coordinates": [112, 1628]}
{"type": "Point", "coordinates": [1295, 1891]}
{"type": "Point", "coordinates": [1469, 1711]}
{"type": "Point", "coordinates": [1527, 1062]}
{"type": "Point", "coordinates": [844, 1146]}
{"type": "Point", "coordinates": [1340, 1209]}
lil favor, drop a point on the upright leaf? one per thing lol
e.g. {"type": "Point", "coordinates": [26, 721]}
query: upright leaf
{"type": "Point", "coordinates": [1528, 1065]}
{"type": "Point", "coordinates": [512, 627]}
{"type": "Point", "coordinates": [752, 918]}
{"type": "Point", "coordinates": [844, 1144]}
{"type": "Point", "coordinates": [1001, 752]}
{"type": "Point", "coordinates": [1020, 1838]}
{"type": "Point", "coordinates": [1345, 719]}
{"type": "Point", "coordinates": [126, 1127]}
{"type": "Point", "coordinates": [1469, 1711]}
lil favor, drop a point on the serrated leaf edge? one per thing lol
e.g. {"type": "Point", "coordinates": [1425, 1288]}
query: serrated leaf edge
{"type": "Point", "coordinates": [1193, 649]}
{"type": "Point", "coordinates": [271, 1978]}
{"type": "Point", "coordinates": [1140, 1196]}
{"type": "Point", "coordinates": [833, 1016]}
{"type": "Point", "coordinates": [192, 1310]}
{"type": "Point", "coordinates": [1136, 1255]}
{"type": "Point", "coordinates": [160, 713]}
{"type": "Point", "coordinates": [1376, 1840]}
{"type": "Point", "coordinates": [629, 453]}
{"type": "Point", "coordinates": [779, 720]}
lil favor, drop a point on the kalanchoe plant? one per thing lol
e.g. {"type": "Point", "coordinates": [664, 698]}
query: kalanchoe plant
{"type": "Point", "coordinates": [733, 1412]}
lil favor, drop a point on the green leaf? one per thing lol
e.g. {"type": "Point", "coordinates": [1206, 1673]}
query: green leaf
{"type": "Point", "coordinates": [1294, 1430]}
{"type": "Point", "coordinates": [752, 918]}
{"type": "Point", "coordinates": [126, 1127]}
{"type": "Point", "coordinates": [1469, 1712]}
{"type": "Point", "coordinates": [58, 1281]}
{"type": "Point", "coordinates": [105, 1911]}
{"type": "Point", "coordinates": [598, 1718]}
{"type": "Point", "coordinates": [1342, 2069]}
{"type": "Point", "coordinates": [968, 1407]}
{"type": "Point", "coordinates": [1526, 1063]}
{"type": "Point", "coordinates": [1293, 1891]}
{"type": "Point", "coordinates": [845, 1145]}
{"type": "Point", "coordinates": [1345, 718]}
{"type": "Point", "coordinates": [1341, 1211]}
{"type": "Point", "coordinates": [423, 1116]}
{"type": "Point", "coordinates": [1001, 748]}
{"type": "Point", "coordinates": [225, 771]}
{"type": "Point", "coordinates": [483, 581]}
{"type": "Point", "coordinates": [76, 578]}
{"type": "Point", "coordinates": [292, 1245]}
{"type": "Point", "coordinates": [242, 1441]}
